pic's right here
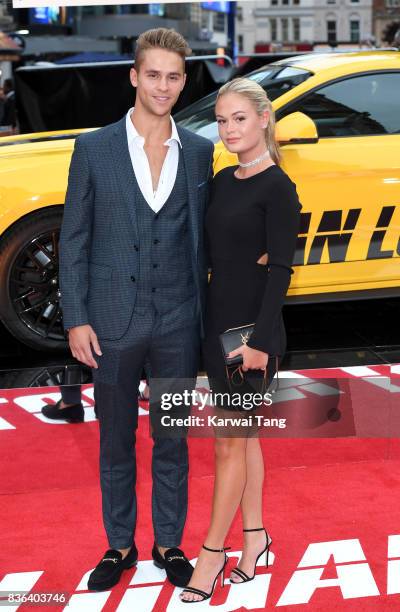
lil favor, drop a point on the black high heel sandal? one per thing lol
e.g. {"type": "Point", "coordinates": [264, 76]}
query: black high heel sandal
{"type": "Point", "coordinates": [244, 577]}
{"type": "Point", "coordinates": [221, 573]}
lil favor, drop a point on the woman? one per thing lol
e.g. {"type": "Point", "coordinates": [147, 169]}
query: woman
{"type": "Point", "coordinates": [252, 224]}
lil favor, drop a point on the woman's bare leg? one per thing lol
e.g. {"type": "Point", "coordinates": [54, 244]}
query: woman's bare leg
{"type": "Point", "coordinates": [251, 508]}
{"type": "Point", "coordinates": [229, 483]}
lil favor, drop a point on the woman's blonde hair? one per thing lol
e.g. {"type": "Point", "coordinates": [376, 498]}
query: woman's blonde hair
{"type": "Point", "coordinates": [258, 97]}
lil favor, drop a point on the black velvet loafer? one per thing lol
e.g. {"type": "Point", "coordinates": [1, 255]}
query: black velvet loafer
{"type": "Point", "coordinates": [179, 570]}
{"type": "Point", "coordinates": [72, 414]}
{"type": "Point", "coordinates": [107, 573]}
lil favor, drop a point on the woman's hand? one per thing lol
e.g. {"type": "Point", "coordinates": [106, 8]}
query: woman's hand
{"type": "Point", "coordinates": [252, 358]}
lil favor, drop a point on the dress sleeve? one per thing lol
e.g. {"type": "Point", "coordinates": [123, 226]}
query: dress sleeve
{"type": "Point", "coordinates": [282, 221]}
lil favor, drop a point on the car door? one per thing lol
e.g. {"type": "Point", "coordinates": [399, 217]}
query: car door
{"type": "Point", "coordinates": [349, 186]}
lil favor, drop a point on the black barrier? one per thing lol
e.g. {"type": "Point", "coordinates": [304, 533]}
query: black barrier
{"type": "Point", "coordinates": [92, 95]}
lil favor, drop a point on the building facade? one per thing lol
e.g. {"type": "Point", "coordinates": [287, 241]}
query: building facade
{"type": "Point", "coordinates": [289, 23]}
{"type": "Point", "coordinates": [204, 25]}
{"type": "Point", "coordinates": [385, 13]}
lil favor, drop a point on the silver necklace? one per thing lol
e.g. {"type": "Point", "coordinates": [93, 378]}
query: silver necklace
{"type": "Point", "coordinates": [255, 161]}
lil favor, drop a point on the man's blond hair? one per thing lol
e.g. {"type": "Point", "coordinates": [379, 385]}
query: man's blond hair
{"type": "Point", "coordinates": [161, 38]}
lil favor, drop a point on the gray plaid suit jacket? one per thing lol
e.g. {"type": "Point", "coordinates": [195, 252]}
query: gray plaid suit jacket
{"type": "Point", "coordinates": [100, 232]}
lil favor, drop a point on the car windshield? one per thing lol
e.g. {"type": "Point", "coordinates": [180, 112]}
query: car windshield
{"type": "Point", "coordinates": [276, 80]}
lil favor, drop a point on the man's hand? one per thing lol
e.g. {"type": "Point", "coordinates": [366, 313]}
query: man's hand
{"type": "Point", "coordinates": [252, 358]}
{"type": "Point", "coordinates": [81, 340]}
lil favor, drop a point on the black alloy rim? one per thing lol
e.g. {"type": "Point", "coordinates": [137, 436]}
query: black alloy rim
{"type": "Point", "coordinates": [34, 288]}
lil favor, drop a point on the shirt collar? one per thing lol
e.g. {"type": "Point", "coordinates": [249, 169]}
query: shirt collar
{"type": "Point", "coordinates": [134, 136]}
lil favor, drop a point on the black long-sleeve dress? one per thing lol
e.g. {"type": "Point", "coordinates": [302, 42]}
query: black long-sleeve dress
{"type": "Point", "coordinates": [246, 219]}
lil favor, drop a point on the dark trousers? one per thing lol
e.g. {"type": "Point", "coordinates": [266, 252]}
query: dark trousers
{"type": "Point", "coordinates": [71, 394]}
{"type": "Point", "coordinates": [169, 346]}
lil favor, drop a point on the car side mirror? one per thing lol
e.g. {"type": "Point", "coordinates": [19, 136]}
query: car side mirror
{"type": "Point", "coordinates": [296, 128]}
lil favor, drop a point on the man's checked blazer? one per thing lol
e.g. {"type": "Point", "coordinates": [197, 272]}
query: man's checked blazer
{"type": "Point", "coordinates": [100, 233]}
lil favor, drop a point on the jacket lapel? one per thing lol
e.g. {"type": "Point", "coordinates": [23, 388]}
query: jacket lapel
{"type": "Point", "coordinates": [124, 170]}
{"type": "Point", "coordinates": [190, 162]}
{"type": "Point", "coordinates": [126, 179]}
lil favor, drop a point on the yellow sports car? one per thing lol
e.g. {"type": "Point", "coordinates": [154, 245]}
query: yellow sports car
{"type": "Point", "coordinates": [339, 124]}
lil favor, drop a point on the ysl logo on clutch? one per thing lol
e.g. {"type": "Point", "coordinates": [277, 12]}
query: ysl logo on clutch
{"type": "Point", "coordinates": [245, 337]}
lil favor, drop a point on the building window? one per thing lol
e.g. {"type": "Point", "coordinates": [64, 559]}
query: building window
{"type": "Point", "coordinates": [285, 29]}
{"type": "Point", "coordinates": [296, 1]}
{"type": "Point", "coordinates": [239, 13]}
{"type": "Point", "coordinates": [331, 1]}
{"type": "Point", "coordinates": [296, 29]}
{"type": "Point", "coordinates": [331, 31]}
{"type": "Point", "coordinates": [355, 1]}
{"type": "Point", "coordinates": [354, 31]}
{"type": "Point", "coordinates": [274, 30]}
{"type": "Point", "coordinates": [240, 43]}
{"type": "Point", "coordinates": [274, 2]}
{"type": "Point", "coordinates": [219, 22]}
{"type": "Point", "coordinates": [392, 3]}
{"type": "Point", "coordinates": [285, 1]}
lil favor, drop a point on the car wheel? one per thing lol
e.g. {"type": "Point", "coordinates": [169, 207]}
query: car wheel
{"type": "Point", "coordinates": [46, 376]}
{"type": "Point", "coordinates": [29, 290]}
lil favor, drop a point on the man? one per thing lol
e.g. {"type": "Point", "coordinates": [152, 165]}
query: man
{"type": "Point", "coordinates": [133, 274]}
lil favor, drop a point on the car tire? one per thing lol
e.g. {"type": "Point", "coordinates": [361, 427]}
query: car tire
{"type": "Point", "coordinates": [29, 291]}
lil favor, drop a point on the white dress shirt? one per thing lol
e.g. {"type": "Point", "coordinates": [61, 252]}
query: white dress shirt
{"type": "Point", "coordinates": [141, 167]}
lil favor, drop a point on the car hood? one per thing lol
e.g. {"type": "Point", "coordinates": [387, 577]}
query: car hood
{"type": "Point", "coordinates": [37, 137]}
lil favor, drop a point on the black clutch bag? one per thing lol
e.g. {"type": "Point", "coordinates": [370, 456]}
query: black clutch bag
{"type": "Point", "coordinates": [231, 339]}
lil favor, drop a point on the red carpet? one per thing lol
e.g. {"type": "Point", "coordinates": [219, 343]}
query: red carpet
{"type": "Point", "coordinates": [331, 507]}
